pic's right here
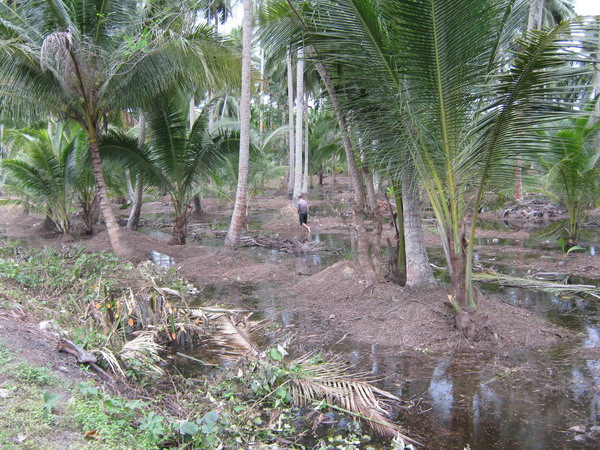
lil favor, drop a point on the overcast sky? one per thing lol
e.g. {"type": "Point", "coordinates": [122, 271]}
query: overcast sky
{"type": "Point", "coordinates": [587, 7]}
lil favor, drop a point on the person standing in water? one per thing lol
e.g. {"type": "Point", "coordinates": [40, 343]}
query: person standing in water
{"type": "Point", "coordinates": [303, 212]}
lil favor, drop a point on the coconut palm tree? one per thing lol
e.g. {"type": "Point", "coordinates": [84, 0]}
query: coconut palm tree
{"type": "Point", "coordinates": [174, 160]}
{"type": "Point", "coordinates": [241, 197]}
{"type": "Point", "coordinates": [81, 60]}
{"type": "Point", "coordinates": [263, 157]}
{"type": "Point", "coordinates": [572, 167]}
{"type": "Point", "coordinates": [218, 11]}
{"type": "Point", "coordinates": [542, 13]}
{"type": "Point", "coordinates": [431, 78]}
{"type": "Point", "coordinates": [45, 171]}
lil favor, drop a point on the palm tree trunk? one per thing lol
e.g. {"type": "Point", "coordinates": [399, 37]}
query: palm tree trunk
{"type": "Point", "coordinates": [133, 222]}
{"type": "Point", "coordinates": [399, 234]}
{"type": "Point", "coordinates": [89, 213]}
{"type": "Point", "coordinates": [536, 14]}
{"type": "Point", "coordinates": [112, 226]}
{"type": "Point", "coordinates": [292, 143]}
{"type": "Point", "coordinates": [306, 145]}
{"type": "Point", "coordinates": [375, 240]}
{"type": "Point", "coordinates": [180, 228]}
{"type": "Point", "coordinates": [192, 116]}
{"type": "Point", "coordinates": [239, 210]}
{"type": "Point", "coordinates": [358, 219]}
{"type": "Point", "coordinates": [333, 158]}
{"type": "Point", "coordinates": [418, 269]}
{"type": "Point", "coordinates": [299, 122]}
{"type": "Point", "coordinates": [261, 113]}
{"type": "Point", "coordinates": [534, 22]}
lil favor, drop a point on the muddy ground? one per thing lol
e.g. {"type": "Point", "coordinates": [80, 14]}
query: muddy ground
{"type": "Point", "coordinates": [334, 308]}
{"type": "Point", "coordinates": [336, 304]}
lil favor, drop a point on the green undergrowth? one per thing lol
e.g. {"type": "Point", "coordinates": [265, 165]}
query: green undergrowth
{"type": "Point", "coordinates": [89, 296]}
{"type": "Point", "coordinates": [33, 413]}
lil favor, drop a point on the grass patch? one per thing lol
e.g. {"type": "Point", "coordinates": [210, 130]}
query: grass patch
{"type": "Point", "coordinates": [32, 416]}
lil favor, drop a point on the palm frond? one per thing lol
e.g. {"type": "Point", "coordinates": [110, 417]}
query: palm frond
{"type": "Point", "coordinates": [233, 338]}
{"type": "Point", "coordinates": [331, 381]}
{"type": "Point", "coordinates": [143, 351]}
{"type": "Point", "coordinates": [109, 357]}
{"type": "Point", "coordinates": [560, 289]}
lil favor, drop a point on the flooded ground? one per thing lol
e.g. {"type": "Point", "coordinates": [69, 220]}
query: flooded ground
{"type": "Point", "coordinates": [541, 398]}
{"type": "Point", "coordinates": [536, 399]}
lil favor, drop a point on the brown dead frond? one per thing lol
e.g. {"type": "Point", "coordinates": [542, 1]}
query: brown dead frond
{"type": "Point", "coordinates": [109, 357]}
{"type": "Point", "coordinates": [144, 351]}
{"type": "Point", "coordinates": [332, 382]}
{"type": "Point", "coordinates": [233, 338]}
{"type": "Point", "coordinates": [56, 46]}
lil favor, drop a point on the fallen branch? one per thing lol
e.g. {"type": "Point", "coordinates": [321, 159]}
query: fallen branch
{"type": "Point", "coordinates": [83, 356]}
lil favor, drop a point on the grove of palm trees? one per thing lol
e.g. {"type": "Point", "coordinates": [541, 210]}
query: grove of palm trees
{"type": "Point", "coordinates": [158, 291]}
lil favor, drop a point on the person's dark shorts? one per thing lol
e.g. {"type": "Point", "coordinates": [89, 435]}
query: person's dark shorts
{"type": "Point", "coordinates": [303, 218]}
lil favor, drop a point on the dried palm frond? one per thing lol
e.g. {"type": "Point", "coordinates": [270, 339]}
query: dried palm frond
{"type": "Point", "coordinates": [109, 357]}
{"type": "Point", "coordinates": [207, 314]}
{"type": "Point", "coordinates": [56, 46]}
{"type": "Point", "coordinates": [164, 291]}
{"type": "Point", "coordinates": [233, 338]}
{"type": "Point", "coordinates": [533, 283]}
{"type": "Point", "coordinates": [332, 382]}
{"type": "Point", "coordinates": [144, 350]}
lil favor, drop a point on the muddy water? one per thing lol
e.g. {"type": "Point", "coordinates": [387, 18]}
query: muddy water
{"type": "Point", "coordinates": [521, 399]}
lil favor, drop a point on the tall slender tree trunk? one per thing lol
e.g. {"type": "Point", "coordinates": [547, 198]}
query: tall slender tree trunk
{"type": "Point", "coordinates": [292, 140]}
{"type": "Point", "coordinates": [534, 22]}
{"type": "Point", "coordinates": [375, 239]}
{"type": "Point", "coordinates": [596, 116]}
{"type": "Point", "coordinates": [358, 218]}
{"type": "Point", "coordinates": [418, 269]}
{"type": "Point", "coordinates": [299, 122]}
{"type": "Point", "coordinates": [373, 208]}
{"type": "Point", "coordinates": [133, 222]}
{"type": "Point", "coordinates": [306, 145]}
{"type": "Point", "coordinates": [333, 169]}
{"type": "Point", "coordinates": [536, 14]}
{"type": "Point", "coordinates": [112, 226]}
{"type": "Point", "coordinates": [192, 117]}
{"type": "Point", "coordinates": [261, 113]}
{"type": "Point", "coordinates": [241, 196]}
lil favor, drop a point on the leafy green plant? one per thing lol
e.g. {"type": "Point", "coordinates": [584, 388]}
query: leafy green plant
{"type": "Point", "coordinates": [566, 249]}
{"type": "Point", "coordinates": [153, 424]}
{"type": "Point", "coordinates": [114, 419]}
{"type": "Point", "coordinates": [34, 374]}
{"type": "Point", "coordinates": [50, 401]}
{"type": "Point", "coordinates": [43, 174]}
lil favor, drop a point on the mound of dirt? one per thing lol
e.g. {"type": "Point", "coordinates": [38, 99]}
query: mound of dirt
{"type": "Point", "coordinates": [336, 302]}
{"type": "Point", "coordinates": [339, 301]}
{"type": "Point", "coordinates": [286, 219]}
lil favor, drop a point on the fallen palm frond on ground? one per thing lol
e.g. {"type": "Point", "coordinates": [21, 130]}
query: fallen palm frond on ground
{"type": "Point", "coordinates": [332, 382]}
{"type": "Point", "coordinates": [291, 246]}
{"type": "Point", "coordinates": [312, 380]}
{"type": "Point", "coordinates": [534, 283]}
